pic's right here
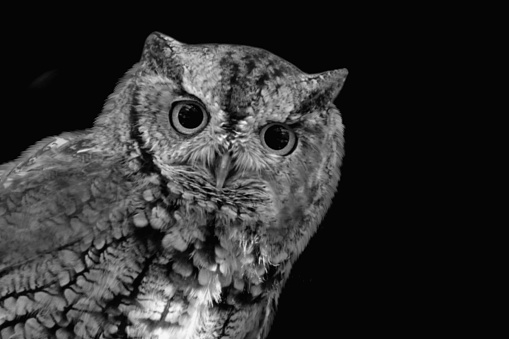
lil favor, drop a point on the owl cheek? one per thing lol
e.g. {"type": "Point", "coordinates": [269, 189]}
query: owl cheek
{"type": "Point", "coordinates": [290, 217]}
{"type": "Point", "coordinates": [292, 212]}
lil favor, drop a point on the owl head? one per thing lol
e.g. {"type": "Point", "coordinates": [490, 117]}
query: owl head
{"type": "Point", "coordinates": [248, 145]}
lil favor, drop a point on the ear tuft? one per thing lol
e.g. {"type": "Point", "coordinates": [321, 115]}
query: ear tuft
{"type": "Point", "coordinates": [324, 87]}
{"type": "Point", "coordinates": [156, 38]}
{"type": "Point", "coordinates": [330, 81]}
{"type": "Point", "coordinates": [158, 49]}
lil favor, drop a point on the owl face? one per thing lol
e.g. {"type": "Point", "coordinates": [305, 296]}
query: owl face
{"type": "Point", "coordinates": [250, 145]}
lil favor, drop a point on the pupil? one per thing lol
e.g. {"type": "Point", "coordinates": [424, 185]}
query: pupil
{"type": "Point", "coordinates": [190, 116]}
{"type": "Point", "coordinates": [277, 137]}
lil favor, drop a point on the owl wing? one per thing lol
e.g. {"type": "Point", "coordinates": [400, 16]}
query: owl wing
{"type": "Point", "coordinates": [49, 199]}
{"type": "Point", "coordinates": [66, 247]}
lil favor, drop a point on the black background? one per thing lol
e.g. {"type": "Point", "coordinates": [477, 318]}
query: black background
{"type": "Point", "coordinates": [360, 274]}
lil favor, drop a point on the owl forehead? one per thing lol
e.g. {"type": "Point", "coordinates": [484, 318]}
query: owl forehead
{"type": "Point", "coordinates": [245, 84]}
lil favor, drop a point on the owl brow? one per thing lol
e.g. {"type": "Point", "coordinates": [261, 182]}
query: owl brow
{"type": "Point", "coordinates": [181, 92]}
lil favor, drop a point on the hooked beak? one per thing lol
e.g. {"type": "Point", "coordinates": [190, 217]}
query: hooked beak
{"type": "Point", "coordinates": [222, 169]}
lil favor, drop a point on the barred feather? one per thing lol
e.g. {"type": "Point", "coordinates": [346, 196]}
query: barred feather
{"type": "Point", "coordinates": [141, 227]}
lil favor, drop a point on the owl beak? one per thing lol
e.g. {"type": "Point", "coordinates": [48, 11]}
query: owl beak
{"type": "Point", "coordinates": [222, 169]}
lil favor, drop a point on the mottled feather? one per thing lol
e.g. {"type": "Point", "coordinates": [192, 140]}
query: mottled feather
{"type": "Point", "coordinates": [141, 227]}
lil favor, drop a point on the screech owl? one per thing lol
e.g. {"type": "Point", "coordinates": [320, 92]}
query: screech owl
{"type": "Point", "coordinates": [181, 212]}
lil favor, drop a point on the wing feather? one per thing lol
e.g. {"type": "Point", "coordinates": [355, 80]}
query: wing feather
{"type": "Point", "coordinates": [50, 198]}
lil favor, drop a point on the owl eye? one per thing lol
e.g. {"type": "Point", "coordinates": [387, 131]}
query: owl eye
{"type": "Point", "coordinates": [188, 117]}
{"type": "Point", "coordinates": [278, 138]}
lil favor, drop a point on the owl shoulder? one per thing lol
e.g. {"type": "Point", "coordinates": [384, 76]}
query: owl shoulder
{"type": "Point", "coordinates": [63, 153]}
{"type": "Point", "coordinates": [55, 193]}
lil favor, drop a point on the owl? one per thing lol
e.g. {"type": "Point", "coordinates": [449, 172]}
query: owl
{"type": "Point", "coordinates": [179, 214]}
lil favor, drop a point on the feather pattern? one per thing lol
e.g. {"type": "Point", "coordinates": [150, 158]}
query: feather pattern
{"type": "Point", "coordinates": [171, 222]}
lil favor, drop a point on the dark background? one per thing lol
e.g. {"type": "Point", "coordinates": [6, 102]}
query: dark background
{"type": "Point", "coordinates": [360, 275]}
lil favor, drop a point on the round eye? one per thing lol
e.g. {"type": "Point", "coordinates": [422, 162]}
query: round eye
{"type": "Point", "coordinates": [278, 138]}
{"type": "Point", "coordinates": [188, 117]}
